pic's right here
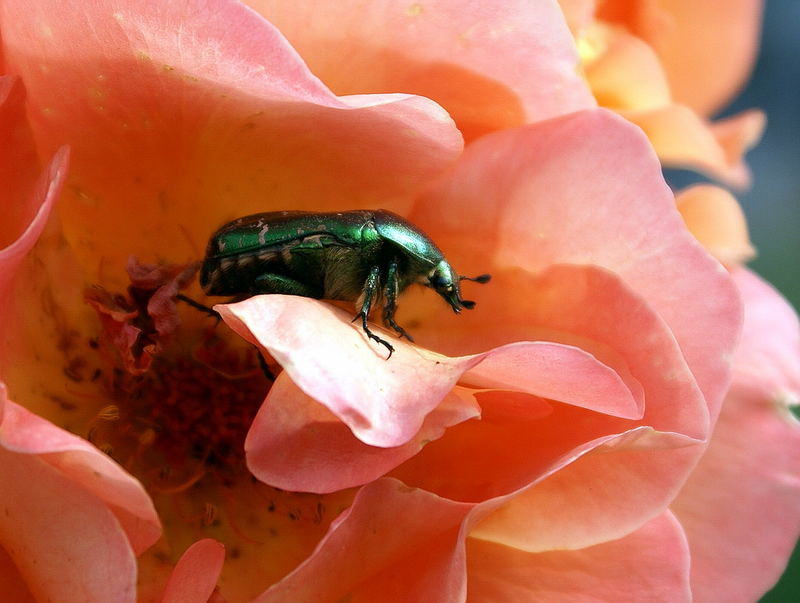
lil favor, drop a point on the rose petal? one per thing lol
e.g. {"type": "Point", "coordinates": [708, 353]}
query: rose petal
{"type": "Point", "coordinates": [195, 575]}
{"type": "Point", "coordinates": [33, 202]}
{"type": "Point", "coordinates": [231, 121]}
{"type": "Point", "coordinates": [62, 536]}
{"type": "Point", "coordinates": [714, 217]}
{"type": "Point", "coordinates": [559, 372]}
{"type": "Point", "coordinates": [682, 139]}
{"type": "Point", "coordinates": [445, 51]}
{"type": "Point", "coordinates": [586, 189]}
{"type": "Point", "coordinates": [409, 547]}
{"type": "Point", "coordinates": [19, 165]}
{"type": "Point", "coordinates": [741, 506]}
{"type": "Point", "coordinates": [707, 53]}
{"type": "Point", "coordinates": [318, 347]}
{"type": "Point", "coordinates": [599, 492]}
{"type": "Point", "coordinates": [581, 307]}
{"type": "Point", "coordinates": [650, 564]}
{"type": "Point", "coordinates": [12, 583]}
{"type": "Point", "coordinates": [626, 73]}
{"type": "Point", "coordinates": [80, 464]}
{"type": "Point", "coordinates": [296, 444]}
{"type": "Point", "coordinates": [768, 359]}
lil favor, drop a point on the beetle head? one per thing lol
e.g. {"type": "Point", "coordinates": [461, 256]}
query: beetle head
{"type": "Point", "coordinates": [444, 280]}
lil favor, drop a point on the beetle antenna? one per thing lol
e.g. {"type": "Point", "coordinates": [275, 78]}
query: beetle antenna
{"type": "Point", "coordinates": [468, 304]}
{"type": "Point", "coordinates": [483, 278]}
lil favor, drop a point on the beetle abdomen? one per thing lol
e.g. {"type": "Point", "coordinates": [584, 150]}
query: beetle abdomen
{"type": "Point", "coordinates": [233, 274]}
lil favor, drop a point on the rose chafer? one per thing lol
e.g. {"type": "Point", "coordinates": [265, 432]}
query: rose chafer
{"type": "Point", "coordinates": [358, 256]}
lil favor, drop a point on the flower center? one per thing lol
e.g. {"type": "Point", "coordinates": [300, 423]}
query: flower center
{"type": "Point", "coordinates": [185, 418]}
{"type": "Point", "coordinates": [181, 405]}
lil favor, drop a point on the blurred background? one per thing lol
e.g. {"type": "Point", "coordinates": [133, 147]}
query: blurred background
{"type": "Point", "coordinates": [772, 205]}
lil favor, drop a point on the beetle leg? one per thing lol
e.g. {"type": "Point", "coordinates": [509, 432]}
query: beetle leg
{"type": "Point", "coordinates": [198, 306]}
{"type": "Point", "coordinates": [391, 301]}
{"type": "Point", "coordinates": [370, 287]}
{"type": "Point", "coordinates": [277, 283]}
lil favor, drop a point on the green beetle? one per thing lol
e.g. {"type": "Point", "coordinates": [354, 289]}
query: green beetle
{"type": "Point", "coordinates": [354, 256]}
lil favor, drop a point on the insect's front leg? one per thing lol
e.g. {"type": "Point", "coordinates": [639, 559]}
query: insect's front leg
{"type": "Point", "coordinates": [390, 297]}
{"type": "Point", "coordinates": [367, 295]}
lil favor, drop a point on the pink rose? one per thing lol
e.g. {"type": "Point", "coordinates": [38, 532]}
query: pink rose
{"type": "Point", "coordinates": [560, 429]}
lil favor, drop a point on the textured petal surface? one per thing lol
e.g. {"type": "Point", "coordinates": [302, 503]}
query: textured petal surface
{"type": "Point", "coordinates": [63, 537]}
{"type": "Point", "coordinates": [318, 347]}
{"type": "Point", "coordinates": [195, 575]}
{"type": "Point", "coordinates": [80, 463]}
{"type": "Point", "coordinates": [28, 193]}
{"type": "Point", "coordinates": [769, 357]}
{"type": "Point", "coordinates": [446, 51]}
{"type": "Point", "coordinates": [19, 165]}
{"type": "Point", "coordinates": [297, 444]}
{"type": "Point", "coordinates": [585, 189]}
{"type": "Point", "coordinates": [209, 110]}
{"type": "Point", "coordinates": [650, 564]}
{"type": "Point", "coordinates": [12, 583]}
{"type": "Point", "coordinates": [402, 545]}
{"type": "Point", "coordinates": [741, 506]}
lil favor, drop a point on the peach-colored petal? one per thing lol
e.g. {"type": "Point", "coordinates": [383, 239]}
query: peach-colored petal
{"type": "Point", "coordinates": [402, 545]}
{"type": "Point", "coordinates": [649, 564]}
{"type": "Point", "coordinates": [626, 73]}
{"type": "Point", "coordinates": [578, 13]}
{"type": "Point", "coordinates": [297, 444]}
{"type": "Point", "coordinates": [65, 540]}
{"type": "Point", "coordinates": [739, 133]}
{"type": "Point", "coordinates": [715, 218]}
{"type": "Point", "coordinates": [741, 506]}
{"type": "Point", "coordinates": [19, 165]}
{"type": "Point", "coordinates": [555, 456]}
{"type": "Point", "coordinates": [12, 583]}
{"type": "Point", "coordinates": [446, 51]}
{"type": "Point", "coordinates": [599, 492]}
{"type": "Point", "coordinates": [195, 575]}
{"type": "Point", "coordinates": [212, 114]}
{"type": "Point", "coordinates": [559, 372]}
{"type": "Point", "coordinates": [319, 348]}
{"type": "Point", "coordinates": [28, 193]}
{"type": "Point", "coordinates": [707, 48]}
{"type": "Point", "coordinates": [768, 359]}
{"type": "Point", "coordinates": [585, 189]}
{"type": "Point", "coordinates": [595, 311]}
{"type": "Point", "coordinates": [83, 466]}
{"type": "Point", "coordinates": [683, 139]}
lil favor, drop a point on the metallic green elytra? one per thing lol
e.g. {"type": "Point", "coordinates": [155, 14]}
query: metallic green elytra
{"type": "Point", "coordinates": [357, 256]}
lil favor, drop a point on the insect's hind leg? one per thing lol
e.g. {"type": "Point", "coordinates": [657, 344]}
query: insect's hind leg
{"type": "Point", "coordinates": [368, 294]}
{"type": "Point", "coordinates": [391, 301]}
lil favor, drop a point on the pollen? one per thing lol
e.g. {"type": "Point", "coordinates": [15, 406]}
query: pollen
{"type": "Point", "coordinates": [185, 418]}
